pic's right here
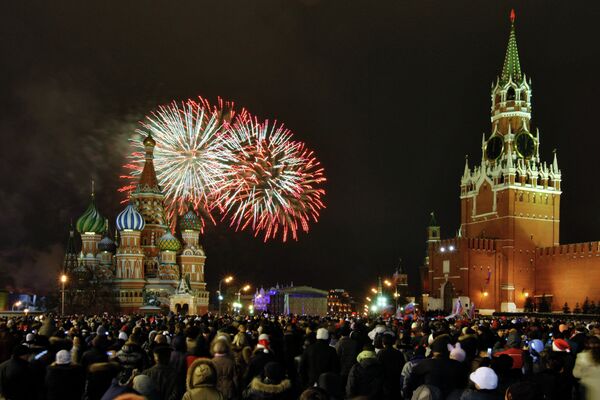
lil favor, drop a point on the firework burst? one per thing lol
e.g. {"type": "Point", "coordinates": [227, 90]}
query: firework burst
{"type": "Point", "coordinates": [190, 158]}
{"type": "Point", "coordinates": [274, 188]}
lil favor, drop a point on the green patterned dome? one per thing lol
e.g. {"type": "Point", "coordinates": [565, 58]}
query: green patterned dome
{"type": "Point", "coordinates": [190, 221]}
{"type": "Point", "coordinates": [168, 242]}
{"type": "Point", "coordinates": [91, 220]}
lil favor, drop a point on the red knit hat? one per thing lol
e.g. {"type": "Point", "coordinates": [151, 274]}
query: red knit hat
{"type": "Point", "coordinates": [561, 345]}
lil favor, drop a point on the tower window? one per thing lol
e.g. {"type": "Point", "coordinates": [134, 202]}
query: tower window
{"type": "Point", "coordinates": [510, 94]}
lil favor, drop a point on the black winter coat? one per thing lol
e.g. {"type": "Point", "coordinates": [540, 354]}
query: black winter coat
{"type": "Point", "coordinates": [165, 380]}
{"type": "Point", "coordinates": [15, 380]}
{"type": "Point", "coordinates": [471, 394]}
{"type": "Point", "coordinates": [366, 379]}
{"type": "Point", "coordinates": [64, 382]}
{"type": "Point", "coordinates": [347, 350]}
{"type": "Point", "coordinates": [392, 361]}
{"type": "Point", "coordinates": [318, 358]}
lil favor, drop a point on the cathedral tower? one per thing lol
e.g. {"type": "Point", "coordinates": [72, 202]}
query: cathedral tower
{"type": "Point", "coordinates": [148, 200]}
{"type": "Point", "coordinates": [129, 274]}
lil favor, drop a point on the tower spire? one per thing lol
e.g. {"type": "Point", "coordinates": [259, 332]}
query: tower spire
{"type": "Point", "coordinates": [512, 68]}
{"type": "Point", "coordinates": [148, 181]}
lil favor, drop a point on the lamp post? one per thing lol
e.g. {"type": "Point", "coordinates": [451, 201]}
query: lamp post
{"type": "Point", "coordinates": [226, 280]}
{"type": "Point", "coordinates": [238, 303]}
{"type": "Point", "coordinates": [63, 280]}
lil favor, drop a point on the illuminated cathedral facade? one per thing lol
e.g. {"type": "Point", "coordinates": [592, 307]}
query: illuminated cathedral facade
{"type": "Point", "coordinates": [145, 266]}
{"type": "Point", "coordinates": [507, 252]}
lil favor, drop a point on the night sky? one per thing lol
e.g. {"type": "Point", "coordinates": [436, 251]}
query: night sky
{"type": "Point", "coordinates": [391, 95]}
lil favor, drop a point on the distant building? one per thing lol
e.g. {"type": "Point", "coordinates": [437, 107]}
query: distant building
{"type": "Point", "coordinates": [303, 300]}
{"type": "Point", "coordinates": [339, 302]}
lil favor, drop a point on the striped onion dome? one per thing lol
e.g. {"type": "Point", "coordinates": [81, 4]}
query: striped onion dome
{"type": "Point", "coordinates": [168, 242]}
{"type": "Point", "coordinates": [130, 219]}
{"type": "Point", "coordinates": [107, 244]}
{"type": "Point", "coordinates": [91, 220]}
{"type": "Point", "coordinates": [190, 221]}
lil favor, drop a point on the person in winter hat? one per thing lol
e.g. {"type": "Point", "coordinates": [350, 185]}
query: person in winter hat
{"type": "Point", "coordinates": [367, 376]}
{"type": "Point", "coordinates": [532, 361]}
{"type": "Point", "coordinates": [201, 381]}
{"type": "Point", "coordinates": [318, 358]}
{"type": "Point", "coordinates": [439, 370]}
{"type": "Point", "coordinates": [271, 385]}
{"type": "Point", "coordinates": [225, 365]}
{"type": "Point", "coordinates": [260, 357]}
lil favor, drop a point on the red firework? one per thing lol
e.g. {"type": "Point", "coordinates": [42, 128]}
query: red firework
{"type": "Point", "coordinates": [276, 185]}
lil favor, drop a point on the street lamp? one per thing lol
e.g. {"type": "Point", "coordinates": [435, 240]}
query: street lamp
{"type": "Point", "coordinates": [227, 279]}
{"type": "Point", "coordinates": [238, 304]}
{"type": "Point", "coordinates": [63, 280]}
{"type": "Point", "coordinates": [374, 290]}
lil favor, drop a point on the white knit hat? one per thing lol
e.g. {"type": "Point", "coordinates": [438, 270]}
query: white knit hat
{"type": "Point", "coordinates": [322, 334]}
{"type": "Point", "coordinates": [63, 357]}
{"type": "Point", "coordinates": [456, 352]}
{"type": "Point", "coordinates": [123, 336]}
{"type": "Point", "coordinates": [485, 378]}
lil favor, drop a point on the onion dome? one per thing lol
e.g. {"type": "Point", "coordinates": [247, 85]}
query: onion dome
{"type": "Point", "coordinates": [149, 141]}
{"type": "Point", "coordinates": [107, 244]}
{"type": "Point", "coordinates": [130, 219]}
{"type": "Point", "coordinates": [91, 220]}
{"type": "Point", "coordinates": [190, 221]}
{"type": "Point", "coordinates": [168, 242]}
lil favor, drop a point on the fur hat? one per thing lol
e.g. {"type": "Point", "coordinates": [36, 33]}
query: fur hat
{"type": "Point", "coordinates": [63, 357]}
{"type": "Point", "coordinates": [322, 334]}
{"type": "Point", "coordinates": [456, 352]}
{"type": "Point", "coordinates": [485, 378]}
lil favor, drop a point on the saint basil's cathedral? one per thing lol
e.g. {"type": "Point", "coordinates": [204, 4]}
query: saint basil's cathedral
{"type": "Point", "coordinates": [507, 251]}
{"type": "Point", "coordinates": [146, 265]}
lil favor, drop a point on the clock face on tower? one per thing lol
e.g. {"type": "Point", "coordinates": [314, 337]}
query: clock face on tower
{"type": "Point", "coordinates": [494, 147]}
{"type": "Point", "coordinates": [525, 145]}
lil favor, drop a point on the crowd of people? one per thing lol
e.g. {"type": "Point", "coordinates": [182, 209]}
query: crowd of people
{"type": "Point", "coordinates": [214, 357]}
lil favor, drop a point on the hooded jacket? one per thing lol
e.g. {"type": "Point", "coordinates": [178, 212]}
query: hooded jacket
{"type": "Point", "coordinates": [260, 390]}
{"type": "Point", "coordinates": [366, 377]}
{"type": "Point", "coordinates": [201, 380]}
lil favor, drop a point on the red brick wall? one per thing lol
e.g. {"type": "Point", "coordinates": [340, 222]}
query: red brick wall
{"type": "Point", "coordinates": [569, 273]}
